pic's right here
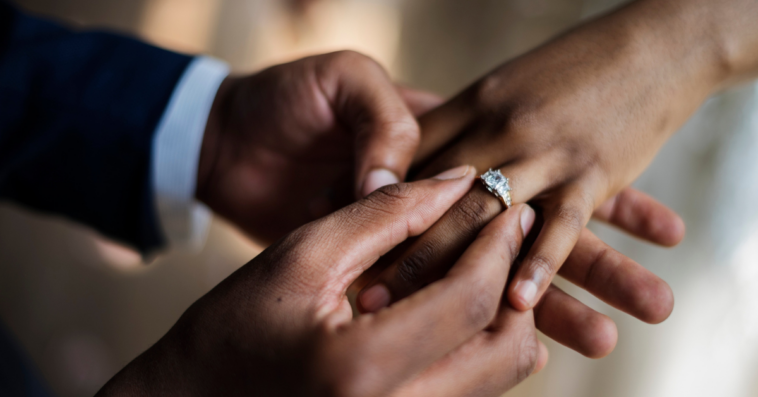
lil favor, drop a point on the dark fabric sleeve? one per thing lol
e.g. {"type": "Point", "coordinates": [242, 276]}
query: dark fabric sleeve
{"type": "Point", "coordinates": [78, 111]}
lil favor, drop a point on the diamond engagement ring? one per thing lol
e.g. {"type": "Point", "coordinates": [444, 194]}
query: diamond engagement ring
{"type": "Point", "coordinates": [497, 184]}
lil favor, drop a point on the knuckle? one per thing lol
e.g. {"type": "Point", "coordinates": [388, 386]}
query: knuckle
{"type": "Point", "coordinates": [288, 253]}
{"type": "Point", "coordinates": [525, 118]}
{"type": "Point", "coordinates": [604, 259]}
{"type": "Point", "coordinates": [475, 210]}
{"type": "Point", "coordinates": [412, 269]}
{"type": "Point", "coordinates": [544, 265]}
{"type": "Point", "coordinates": [348, 56]}
{"type": "Point", "coordinates": [404, 131]}
{"type": "Point", "coordinates": [480, 307]}
{"type": "Point", "coordinates": [487, 91]}
{"type": "Point", "coordinates": [355, 59]}
{"type": "Point", "coordinates": [586, 159]}
{"type": "Point", "coordinates": [514, 113]}
{"type": "Point", "coordinates": [526, 357]}
{"type": "Point", "coordinates": [396, 131]}
{"type": "Point", "coordinates": [570, 216]}
{"type": "Point", "coordinates": [390, 198]}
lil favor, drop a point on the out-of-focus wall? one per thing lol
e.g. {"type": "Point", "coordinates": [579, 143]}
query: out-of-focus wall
{"type": "Point", "coordinates": [448, 44]}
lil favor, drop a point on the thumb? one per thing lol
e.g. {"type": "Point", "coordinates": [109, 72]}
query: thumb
{"type": "Point", "coordinates": [364, 231]}
{"type": "Point", "coordinates": [418, 101]}
{"type": "Point", "coordinates": [367, 103]}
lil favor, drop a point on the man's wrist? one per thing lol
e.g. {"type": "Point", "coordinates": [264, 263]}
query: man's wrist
{"type": "Point", "coordinates": [176, 151]}
{"type": "Point", "coordinates": [162, 369]}
{"type": "Point", "coordinates": [212, 140]}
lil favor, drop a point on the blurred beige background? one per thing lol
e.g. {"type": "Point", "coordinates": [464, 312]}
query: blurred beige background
{"type": "Point", "coordinates": [84, 307]}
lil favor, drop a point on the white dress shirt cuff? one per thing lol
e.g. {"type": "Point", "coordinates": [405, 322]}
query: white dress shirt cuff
{"type": "Point", "coordinates": [176, 154]}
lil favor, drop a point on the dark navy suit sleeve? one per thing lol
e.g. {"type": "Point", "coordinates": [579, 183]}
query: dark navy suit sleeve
{"type": "Point", "coordinates": [78, 111]}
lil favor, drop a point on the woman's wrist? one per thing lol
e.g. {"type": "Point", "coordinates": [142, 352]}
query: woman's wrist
{"type": "Point", "coordinates": [710, 44]}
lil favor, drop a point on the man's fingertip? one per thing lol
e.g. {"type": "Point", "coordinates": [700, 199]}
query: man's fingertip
{"type": "Point", "coordinates": [679, 229]}
{"type": "Point", "coordinates": [456, 173]}
{"type": "Point", "coordinates": [523, 295]}
{"type": "Point", "coordinates": [374, 298]}
{"type": "Point", "coordinates": [527, 219]}
{"type": "Point", "coordinates": [376, 179]}
{"type": "Point", "coordinates": [542, 357]}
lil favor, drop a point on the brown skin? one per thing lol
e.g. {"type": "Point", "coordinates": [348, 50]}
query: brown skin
{"type": "Point", "coordinates": [330, 120]}
{"type": "Point", "coordinates": [304, 122]}
{"type": "Point", "coordinates": [571, 124]}
{"type": "Point", "coordinates": [282, 326]}
{"type": "Point", "coordinates": [325, 122]}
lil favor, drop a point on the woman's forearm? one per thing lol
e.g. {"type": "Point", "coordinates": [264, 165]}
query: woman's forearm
{"type": "Point", "coordinates": [714, 43]}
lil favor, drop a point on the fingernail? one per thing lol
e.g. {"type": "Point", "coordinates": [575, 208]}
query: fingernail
{"type": "Point", "coordinates": [454, 173]}
{"type": "Point", "coordinates": [375, 298]}
{"type": "Point", "coordinates": [378, 178]}
{"type": "Point", "coordinates": [526, 291]}
{"type": "Point", "coordinates": [527, 219]}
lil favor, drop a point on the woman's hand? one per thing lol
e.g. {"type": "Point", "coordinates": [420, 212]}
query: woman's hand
{"type": "Point", "coordinates": [282, 325]}
{"type": "Point", "coordinates": [572, 124]}
{"type": "Point", "coordinates": [577, 120]}
{"type": "Point", "coordinates": [592, 265]}
{"type": "Point", "coordinates": [283, 146]}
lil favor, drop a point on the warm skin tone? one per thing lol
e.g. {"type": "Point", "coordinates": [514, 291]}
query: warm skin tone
{"type": "Point", "coordinates": [457, 336]}
{"type": "Point", "coordinates": [282, 326]}
{"type": "Point", "coordinates": [310, 122]}
{"type": "Point", "coordinates": [330, 121]}
{"type": "Point", "coordinates": [280, 143]}
{"type": "Point", "coordinates": [571, 124]}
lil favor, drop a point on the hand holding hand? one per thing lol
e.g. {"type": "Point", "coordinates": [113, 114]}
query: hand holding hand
{"type": "Point", "coordinates": [282, 325]}
{"type": "Point", "coordinates": [572, 124]}
{"type": "Point", "coordinates": [285, 145]}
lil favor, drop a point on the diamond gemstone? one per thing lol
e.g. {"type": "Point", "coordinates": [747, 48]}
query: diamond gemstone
{"type": "Point", "coordinates": [496, 182]}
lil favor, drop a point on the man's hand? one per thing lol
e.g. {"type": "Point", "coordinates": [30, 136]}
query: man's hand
{"type": "Point", "coordinates": [282, 325]}
{"type": "Point", "coordinates": [299, 140]}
